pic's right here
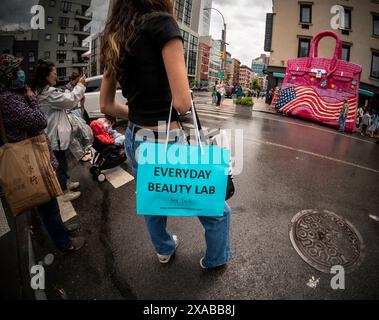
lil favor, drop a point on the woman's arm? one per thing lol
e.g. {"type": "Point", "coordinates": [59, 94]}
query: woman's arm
{"type": "Point", "coordinates": [66, 99]}
{"type": "Point", "coordinates": [173, 57]}
{"type": "Point", "coordinates": [25, 113]}
{"type": "Point", "coordinates": [108, 104]}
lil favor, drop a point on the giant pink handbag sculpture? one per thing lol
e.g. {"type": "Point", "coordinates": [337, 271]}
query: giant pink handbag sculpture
{"type": "Point", "coordinates": [315, 88]}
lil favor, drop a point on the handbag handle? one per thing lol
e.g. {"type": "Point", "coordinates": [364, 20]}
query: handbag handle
{"type": "Point", "coordinates": [313, 52]}
{"type": "Point", "coordinates": [195, 121]}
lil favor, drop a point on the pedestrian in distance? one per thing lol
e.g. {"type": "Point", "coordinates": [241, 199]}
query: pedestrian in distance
{"type": "Point", "coordinates": [219, 92]}
{"type": "Point", "coordinates": [55, 103]}
{"type": "Point", "coordinates": [365, 122]}
{"type": "Point", "coordinates": [344, 112]}
{"type": "Point", "coordinates": [23, 117]}
{"type": "Point", "coordinates": [142, 43]}
{"type": "Point", "coordinates": [374, 125]}
{"type": "Point", "coordinates": [360, 114]}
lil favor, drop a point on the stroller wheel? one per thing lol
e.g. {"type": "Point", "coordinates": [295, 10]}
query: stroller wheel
{"type": "Point", "coordinates": [101, 177]}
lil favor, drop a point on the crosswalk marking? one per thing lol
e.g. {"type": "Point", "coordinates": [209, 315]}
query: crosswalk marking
{"type": "Point", "coordinates": [204, 114]}
{"type": "Point", "coordinates": [67, 210]}
{"type": "Point", "coordinates": [118, 177]}
{"type": "Point", "coordinates": [4, 227]}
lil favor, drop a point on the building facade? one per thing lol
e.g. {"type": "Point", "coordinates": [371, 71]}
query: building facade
{"type": "Point", "coordinates": [188, 14]}
{"type": "Point", "coordinates": [229, 69]}
{"type": "Point", "coordinates": [246, 76]}
{"type": "Point", "coordinates": [302, 20]}
{"type": "Point", "coordinates": [203, 59]}
{"type": "Point", "coordinates": [236, 71]}
{"type": "Point", "coordinates": [62, 39]}
{"type": "Point", "coordinates": [20, 44]}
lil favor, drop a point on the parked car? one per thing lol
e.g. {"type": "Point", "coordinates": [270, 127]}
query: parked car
{"type": "Point", "coordinates": [92, 97]}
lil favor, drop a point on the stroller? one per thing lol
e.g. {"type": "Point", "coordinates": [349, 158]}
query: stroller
{"type": "Point", "coordinates": [108, 154]}
{"type": "Point", "coordinates": [106, 157]}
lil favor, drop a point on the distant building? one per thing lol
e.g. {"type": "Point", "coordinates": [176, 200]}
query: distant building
{"type": "Point", "coordinates": [245, 76]}
{"type": "Point", "coordinates": [62, 40]}
{"type": "Point", "coordinates": [236, 71]}
{"type": "Point", "coordinates": [19, 44]}
{"type": "Point", "coordinates": [258, 68]}
{"type": "Point", "coordinates": [95, 68]}
{"type": "Point", "coordinates": [203, 63]}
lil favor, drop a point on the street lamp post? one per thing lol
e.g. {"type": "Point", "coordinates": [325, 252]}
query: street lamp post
{"type": "Point", "coordinates": [223, 40]}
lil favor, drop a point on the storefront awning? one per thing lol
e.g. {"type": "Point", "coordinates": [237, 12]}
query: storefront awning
{"type": "Point", "coordinates": [366, 93]}
{"type": "Point", "coordinates": [278, 75]}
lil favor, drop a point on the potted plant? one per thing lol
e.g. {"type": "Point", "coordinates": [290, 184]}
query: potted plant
{"type": "Point", "coordinates": [244, 106]}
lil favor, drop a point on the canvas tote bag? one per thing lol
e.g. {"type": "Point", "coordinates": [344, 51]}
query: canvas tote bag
{"type": "Point", "coordinates": [26, 173]}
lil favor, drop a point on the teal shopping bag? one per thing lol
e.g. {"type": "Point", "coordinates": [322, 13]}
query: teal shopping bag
{"type": "Point", "coordinates": [181, 180]}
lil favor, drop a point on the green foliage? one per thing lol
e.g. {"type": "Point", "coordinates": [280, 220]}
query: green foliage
{"type": "Point", "coordinates": [244, 101]}
{"type": "Point", "coordinates": [255, 85]}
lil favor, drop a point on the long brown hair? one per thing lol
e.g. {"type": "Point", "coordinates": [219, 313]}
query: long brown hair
{"type": "Point", "coordinates": [122, 27]}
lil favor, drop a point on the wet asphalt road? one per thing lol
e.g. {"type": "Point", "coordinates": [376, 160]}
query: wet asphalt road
{"type": "Point", "coordinates": [289, 166]}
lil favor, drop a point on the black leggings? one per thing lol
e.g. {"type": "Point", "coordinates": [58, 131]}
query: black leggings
{"type": "Point", "coordinates": [62, 171]}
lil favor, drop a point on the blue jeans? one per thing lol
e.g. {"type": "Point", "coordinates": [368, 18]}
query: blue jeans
{"type": "Point", "coordinates": [216, 228]}
{"type": "Point", "coordinates": [342, 122]}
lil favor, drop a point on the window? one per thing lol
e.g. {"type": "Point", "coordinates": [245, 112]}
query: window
{"type": "Point", "coordinates": [61, 55]}
{"type": "Point", "coordinates": [346, 52]}
{"type": "Point", "coordinates": [185, 36]}
{"type": "Point", "coordinates": [50, 20]}
{"type": "Point", "coordinates": [61, 72]}
{"type": "Point", "coordinates": [179, 9]}
{"type": "Point", "coordinates": [31, 56]}
{"type": "Point", "coordinates": [47, 55]}
{"type": "Point", "coordinates": [62, 38]}
{"type": "Point", "coordinates": [183, 11]}
{"type": "Point", "coordinates": [193, 45]}
{"type": "Point", "coordinates": [66, 6]}
{"type": "Point", "coordinates": [63, 22]}
{"type": "Point", "coordinates": [305, 13]}
{"type": "Point", "coordinates": [188, 12]}
{"type": "Point", "coordinates": [375, 65]}
{"type": "Point", "coordinates": [48, 36]}
{"type": "Point", "coordinates": [304, 47]}
{"type": "Point", "coordinates": [375, 26]}
{"type": "Point", "coordinates": [347, 25]}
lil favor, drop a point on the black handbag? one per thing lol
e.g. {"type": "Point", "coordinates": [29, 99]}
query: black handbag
{"type": "Point", "coordinates": [230, 188]}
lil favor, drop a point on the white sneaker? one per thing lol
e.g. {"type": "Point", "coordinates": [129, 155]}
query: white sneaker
{"type": "Point", "coordinates": [165, 259]}
{"type": "Point", "coordinates": [70, 196]}
{"type": "Point", "coordinates": [73, 185]}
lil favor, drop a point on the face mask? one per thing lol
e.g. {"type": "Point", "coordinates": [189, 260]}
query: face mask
{"type": "Point", "coordinates": [20, 80]}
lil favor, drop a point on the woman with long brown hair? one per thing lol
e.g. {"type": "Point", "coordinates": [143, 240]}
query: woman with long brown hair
{"type": "Point", "coordinates": [142, 49]}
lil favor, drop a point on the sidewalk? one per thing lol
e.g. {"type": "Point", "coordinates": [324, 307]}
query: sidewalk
{"type": "Point", "coordinates": [260, 105]}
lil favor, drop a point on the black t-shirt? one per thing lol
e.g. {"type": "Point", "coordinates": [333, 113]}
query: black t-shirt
{"type": "Point", "coordinates": [145, 82]}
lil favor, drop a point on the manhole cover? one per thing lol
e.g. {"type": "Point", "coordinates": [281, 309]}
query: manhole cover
{"type": "Point", "coordinates": [323, 240]}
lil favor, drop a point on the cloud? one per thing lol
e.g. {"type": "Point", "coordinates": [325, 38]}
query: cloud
{"type": "Point", "coordinates": [16, 13]}
{"type": "Point", "coordinates": [245, 20]}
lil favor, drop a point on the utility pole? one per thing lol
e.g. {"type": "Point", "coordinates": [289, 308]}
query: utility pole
{"type": "Point", "coordinates": [223, 42]}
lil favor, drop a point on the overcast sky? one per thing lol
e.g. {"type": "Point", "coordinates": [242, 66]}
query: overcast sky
{"type": "Point", "coordinates": [245, 21]}
{"type": "Point", "coordinates": [245, 26]}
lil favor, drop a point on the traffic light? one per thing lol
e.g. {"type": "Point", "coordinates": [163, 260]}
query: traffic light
{"type": "Point", "coordinates": [222, 55]}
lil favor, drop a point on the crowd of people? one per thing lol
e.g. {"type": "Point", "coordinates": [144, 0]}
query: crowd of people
{"type": "Point", "coordinates": [44, 109]}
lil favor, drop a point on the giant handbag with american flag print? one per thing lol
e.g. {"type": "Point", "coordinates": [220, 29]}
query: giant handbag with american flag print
{"type": "Point", "coordinates": [315, 88]}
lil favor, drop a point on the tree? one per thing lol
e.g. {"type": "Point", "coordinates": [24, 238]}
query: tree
{"type": "Point", "coordinates": [255, 85]}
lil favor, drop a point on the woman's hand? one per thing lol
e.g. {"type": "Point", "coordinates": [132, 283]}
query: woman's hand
{"type": "Point", "coordinates": [82, 80]}
{"type": "Point", "coordinates": [29, 92]}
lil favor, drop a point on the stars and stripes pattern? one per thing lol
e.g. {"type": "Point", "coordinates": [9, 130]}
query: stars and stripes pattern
{"type": "Point", "coordinates": [305, 102]}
